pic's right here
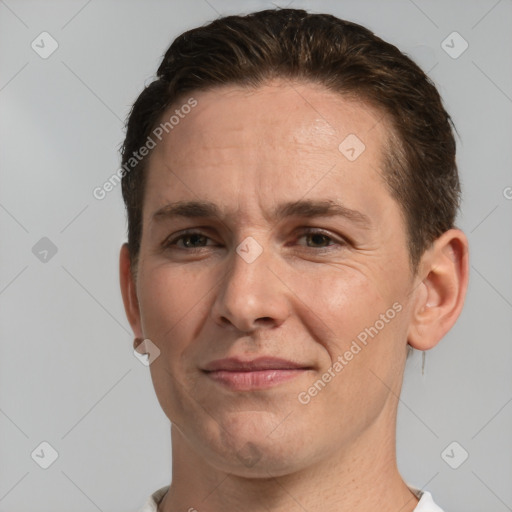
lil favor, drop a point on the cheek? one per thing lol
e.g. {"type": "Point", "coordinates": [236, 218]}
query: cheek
{"type": "Point", "coordinates": [354, 316]}
{"type": "Point", "coordinates": [362, 333]}
{"type": "Point", "coordinates": [345, 299]}
{"type": "Point", "coordinates": [169, 297]}
{"type": "Point", "coordinates": [173, 303]}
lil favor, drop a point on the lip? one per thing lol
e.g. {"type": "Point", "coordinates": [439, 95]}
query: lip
{"type": "Point", "coordinates": [260, 363]}
{"type": "Point", "coordinates": [259, 373]}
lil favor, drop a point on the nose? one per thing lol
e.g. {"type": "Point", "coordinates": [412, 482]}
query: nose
{"type": "Point", "coordinates": [252, 294]}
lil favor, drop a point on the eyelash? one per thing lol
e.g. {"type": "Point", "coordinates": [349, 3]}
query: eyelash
{"type": "Point", "coordinates": [168, 243]}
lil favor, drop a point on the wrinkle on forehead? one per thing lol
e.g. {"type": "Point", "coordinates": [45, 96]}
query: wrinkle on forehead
{"type": "Point", "coordinates": [220, 118]}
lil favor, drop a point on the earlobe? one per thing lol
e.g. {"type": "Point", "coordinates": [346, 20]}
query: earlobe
{"type": "Point", "coordinates": [129, 292]}
{"type": "Point", "coordinates": [137, 342]}
{"type": "Point", "coordinates": [439, 297]}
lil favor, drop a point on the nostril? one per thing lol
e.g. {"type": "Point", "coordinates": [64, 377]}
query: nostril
{"type": "Point", "coordinates": [264, 320]}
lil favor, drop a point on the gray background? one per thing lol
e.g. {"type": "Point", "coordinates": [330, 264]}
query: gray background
{"type": "Point", "coordinates": [68, 374]}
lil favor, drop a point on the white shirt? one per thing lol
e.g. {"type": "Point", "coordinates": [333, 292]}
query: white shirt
{"type": "Point", "coordinates": [426, 503]}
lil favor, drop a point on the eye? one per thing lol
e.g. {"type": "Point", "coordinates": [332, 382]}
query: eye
{"type": "Point", "coordinates": [319, 238]}
{"type": "Point", "coordinates": [190, 239]}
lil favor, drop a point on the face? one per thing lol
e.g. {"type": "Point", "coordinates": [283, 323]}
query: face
{"type": "Point", "coordinates": [301, 258]}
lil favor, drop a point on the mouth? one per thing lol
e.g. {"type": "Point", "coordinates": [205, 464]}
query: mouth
{"type": "Point", "coordinates": [260, 373]}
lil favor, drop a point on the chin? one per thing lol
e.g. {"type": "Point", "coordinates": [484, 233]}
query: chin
{"type": "Point", "coordinates": [255, 460]}
{"type": "Point", "coordinates": [251, 445]}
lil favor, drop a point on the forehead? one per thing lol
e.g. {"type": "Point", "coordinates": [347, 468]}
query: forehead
{"type": "Point", "coordinates": [280, 111]}
{"type": "Point", "coordinates": [283, 138]}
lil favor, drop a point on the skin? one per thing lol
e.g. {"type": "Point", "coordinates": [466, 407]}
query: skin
{"type": "Point", "coordinates": [305, 298]}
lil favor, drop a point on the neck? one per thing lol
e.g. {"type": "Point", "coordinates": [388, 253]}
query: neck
{"type": "Point", "coordinates": [363, 477]}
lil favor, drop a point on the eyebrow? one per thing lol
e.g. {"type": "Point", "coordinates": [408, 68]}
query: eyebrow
{"type": "Point", "coordinates": [301, 208]}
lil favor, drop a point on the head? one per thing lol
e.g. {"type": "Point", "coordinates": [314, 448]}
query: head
{"type": "Point", "coordinates": [257, 129]}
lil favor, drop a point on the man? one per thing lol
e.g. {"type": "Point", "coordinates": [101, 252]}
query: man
{"type": "Point", "coordinates": [291, 191]}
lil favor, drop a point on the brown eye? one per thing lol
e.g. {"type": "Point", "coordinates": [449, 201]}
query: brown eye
{"type": "Point", "coordinates": [319, 239]}
{"type": "Point", "coordinates": [191, 240]}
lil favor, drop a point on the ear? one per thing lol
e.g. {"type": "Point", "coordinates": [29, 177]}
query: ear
{"type": "Point", "coordinates": [440, 293]}
{"type": "Point", "coordinates": [129, 292]}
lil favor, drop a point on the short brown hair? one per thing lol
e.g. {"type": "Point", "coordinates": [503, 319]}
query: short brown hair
{"type": "Point", "coordinates": [248, 51]}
